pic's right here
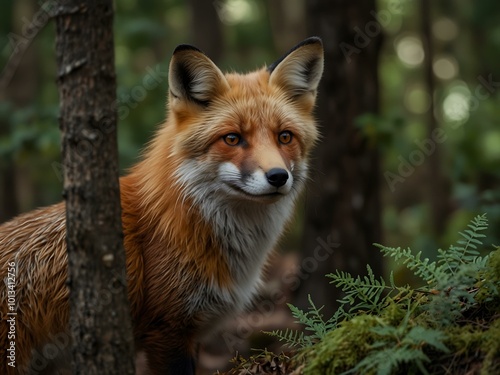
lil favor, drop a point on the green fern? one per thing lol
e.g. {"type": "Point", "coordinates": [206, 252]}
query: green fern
{"type": "Point", "coordinates": [423, 268]}
{"type": "Point", "coordinates": [386, 360]}
{"type": "Point", "coordinates": [315, 326]}
{"type": "Point", "coordinates": [291, 338]}
{"type": "Point", "coordinates": [465, 251]}
{"type": "Point", "coordinates": [399, 345]}
{"type": "Point", "coordinates": [364, 293]}
{"type": "Point", "coordinates": [381, 328]}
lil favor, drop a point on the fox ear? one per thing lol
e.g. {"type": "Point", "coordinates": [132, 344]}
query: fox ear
{"type": "Point", "coordinates": [194, 77]}
{"type": "Point", "coordinates": [299, 71]}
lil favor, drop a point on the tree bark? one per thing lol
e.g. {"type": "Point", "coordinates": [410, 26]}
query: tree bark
{"type": "Point", "coordinates": [207, 28]}
{"type": "Point", "coordinates": [100, 321]}
{"type": "Point", "coordinates": [437, 184]}
{"type": "Point", "coordinates": [342, 213]}
{"type": "Point", "coordinates": [287, 22]}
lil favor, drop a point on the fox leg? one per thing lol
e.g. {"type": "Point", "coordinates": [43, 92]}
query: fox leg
{"type": "Point", "coordinates": [167, 353]}
{"type": "Point", "coordinates": [182, 365]}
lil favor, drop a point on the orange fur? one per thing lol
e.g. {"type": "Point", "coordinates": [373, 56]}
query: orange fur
{"type": "Point", "coordinates": [185, 271]}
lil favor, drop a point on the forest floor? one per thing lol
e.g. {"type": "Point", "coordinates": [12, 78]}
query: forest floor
{"type": "Point", "coordinates": [244, 333]}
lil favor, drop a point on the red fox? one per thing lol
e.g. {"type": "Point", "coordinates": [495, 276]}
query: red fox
{"type": "Point", "coordinates": [201, 212]}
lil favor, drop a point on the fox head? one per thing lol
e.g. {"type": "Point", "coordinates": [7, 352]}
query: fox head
{"type": "Point", "coordinates": [245, 136]}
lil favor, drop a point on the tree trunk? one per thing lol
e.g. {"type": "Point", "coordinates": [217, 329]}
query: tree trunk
{"type": "Point", "coordinates": [342, 212]}
{"type": "Point", "coordinates": [287, 22]}
{"type": "Point", "coordinates": [207, 28]}
{"type": "Point", "coordinates": [437, 185]}
{"type": "Point", "coordinates": [100, 320]}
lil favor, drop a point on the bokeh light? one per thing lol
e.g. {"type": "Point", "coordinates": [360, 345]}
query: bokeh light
{"type": "Point", "coordinates": [410, 51]}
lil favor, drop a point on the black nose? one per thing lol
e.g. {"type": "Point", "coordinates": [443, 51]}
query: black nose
{"type": "Point", "coordinates": [277, 176]}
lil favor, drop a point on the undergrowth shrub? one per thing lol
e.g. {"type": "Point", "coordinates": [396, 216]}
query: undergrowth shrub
{"type": "Point", "coordinates": [448, 325]}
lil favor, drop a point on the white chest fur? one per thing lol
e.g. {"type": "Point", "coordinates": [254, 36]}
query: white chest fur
{"type": "Point", "coordinates": [247, 231]}
{"type": "Point", "coordinates": [248, 234]}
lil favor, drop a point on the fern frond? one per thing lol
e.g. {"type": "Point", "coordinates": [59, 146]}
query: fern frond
{"type": "Point", "coordinates": [361, 293]}
{"type": "Point", "coordinates": [316, 324]}
{"type": "Point", "coordinates": [465, 251]}
{"type": "Point", "coordinates": [419, 335]}
{"type": "Point", "coordinates": [371, 325]}
{"type": "Point", "coordinates": [291, 337]}
{"type": "Point", "coordinates": [398, 345]}
{"type": "Point", "coordinates": [301, 316]}
{"type": "Point", "coordinates": [312, 321]}
{"type": "Point", "coordinates": [387, 361]}
{"type": "Point", "coordinates": [423, 268]}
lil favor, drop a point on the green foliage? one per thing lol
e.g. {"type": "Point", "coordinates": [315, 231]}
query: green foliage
{"type": "Point", "coordinates": [344, 347]}
{"type": "Point", "coordinates": [364, 293]}
{"type": "Point", "coordinates": [24, 139]}
{"type": "Point", "coordinates": [378, 130]}
{"type": "Point", "coordinates": [453, 276]}
{"type": "Point", "coordinates": [313, 322]}
{"type": "Point", "coordinates": [395, 345]}
{"type": "Point", "coordinates": [465, 252]}
{"type": "Point", "coordinates": [381, 328]}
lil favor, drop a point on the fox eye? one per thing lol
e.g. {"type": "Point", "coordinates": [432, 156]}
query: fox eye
{"type": "Point", "coordinates": [232, 139]}
{"type": "Point", "coordinates": [285, 137]}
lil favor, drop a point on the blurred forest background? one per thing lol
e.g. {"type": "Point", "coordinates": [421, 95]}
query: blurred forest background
{"type": "Point", "coordinates": [414, 160]}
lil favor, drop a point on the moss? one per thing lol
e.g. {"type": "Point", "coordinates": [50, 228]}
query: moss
{"type": "Point", "coordinates": [491, 347]}
{"type": "Point", "coordinates": [475, 345]}
{"type": "Point", "coordinates": [494, 264]}
{"type": "Point", "coordinates": [343, 347]}
{"type": "Point", "coordinates": [490, 280]}
{"type": "Point", "coordinates": [394, 313]}
{"type": "Point", "coordinates": [473, 339]}
{"type": "Point", "coordinates": [465, 339]}
{"type": "Point", "coordinates": [450, 325]}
